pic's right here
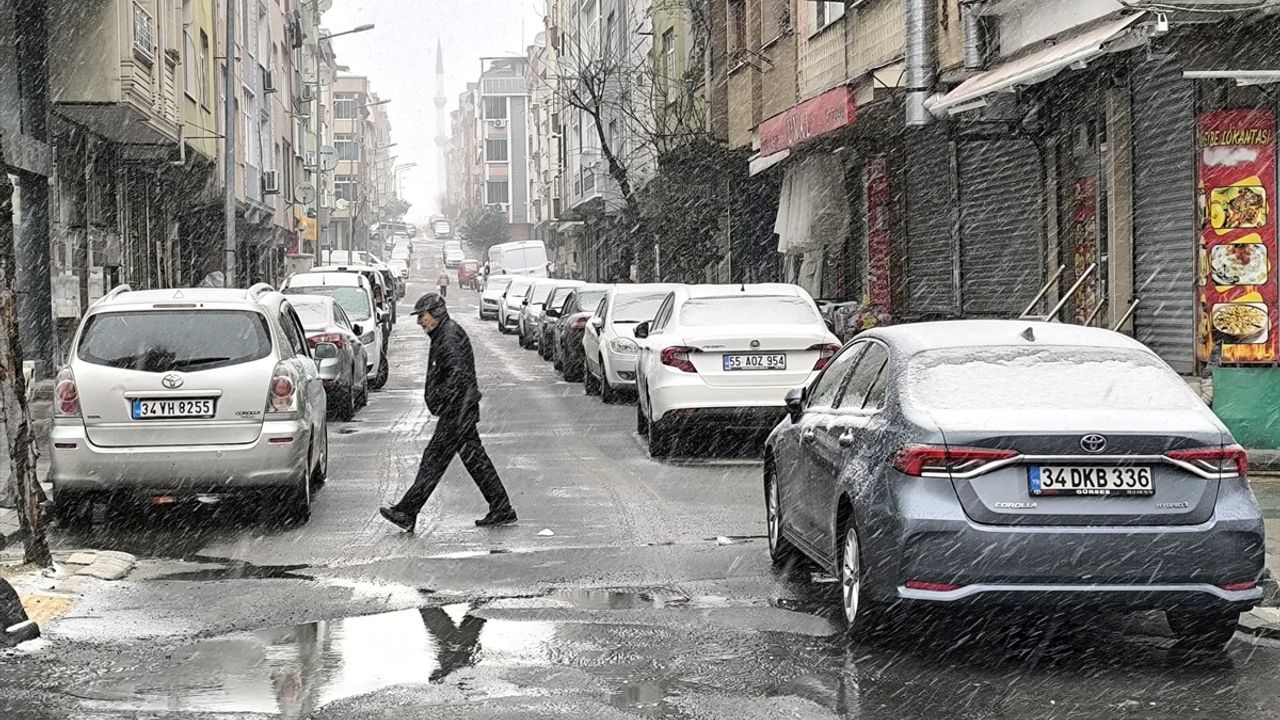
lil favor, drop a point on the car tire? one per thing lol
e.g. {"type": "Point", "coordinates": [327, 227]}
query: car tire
{"type": "Point", "coordinates": [294, 504]}
{"type": "Point", "coordinates": [362, 398]}
{"type": "Point", "coordinates": [781, 551]}
{"type": "Point", "coordinates": [344, 404]}
{"type": "Point", "coordinates": [859, 612]}
{"type": "Point", "coordinates": [642, 422]}
{"type": "Point", "coordinates": [321, 471]}
{"type": "Point", "coordinates": [590, 385]}
{"type": "Point", "coordinates": [608, 394]}
{"type": "Point", "coordinates": [660, 439]}
{"type": "Point", "coordinates": [573, 372]}
{"type": "Point", "coordinates": [1205, 632]}
{"type": "Point", "coordinates": [384, 371]}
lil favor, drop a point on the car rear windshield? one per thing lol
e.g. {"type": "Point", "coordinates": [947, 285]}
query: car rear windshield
{"type": "Point", "coordinates": [518, 288]}
{"type": "Point", "coordinates": [1023, 378]}
{"type": "Point", "coordinates": [589, 300]}
{"type": "Point", "coordinates": [637, 308]}
{"type": "Point", "coordinates": [540, 294]}
{"type": "Point", "coordinates": [167, 340]}
{"type": "Point", "coordinates": [497, 285]}
{"type": "Point", "coordinates": [559, 296]}
{"type": "Point", "coordinates": [314, 315]}
{"type": "Point", "coordinates": [354, 300]}
{"type": "Point", "coordinates": [748, 310]}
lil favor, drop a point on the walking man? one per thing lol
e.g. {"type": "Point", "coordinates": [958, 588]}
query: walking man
{"type": "Point", "coordinates": [452, 395]}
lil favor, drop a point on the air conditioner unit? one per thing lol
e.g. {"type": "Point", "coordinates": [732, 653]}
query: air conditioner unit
{"type": "Point", "coordinates": [268, 82]}
{"type": "Point", "coordinates": [271, 182]}
{"type": "Point", "coordinates": [308, 93]}
{"type": "Point", "coordinates": [499, 123]}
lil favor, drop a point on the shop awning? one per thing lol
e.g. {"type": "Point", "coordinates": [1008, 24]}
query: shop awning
{"type": "Point", "coordinates": [1033, 67]}
{"type": "Point", "coordinates": [760, 163]}
{"type": "Point", "coordinates": [812, 209]}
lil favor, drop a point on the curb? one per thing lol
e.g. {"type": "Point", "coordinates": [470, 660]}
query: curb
{"type": "Point", "coordinates": [10, 532]}
{"type": "Point", "coordinates": [1262, 622]}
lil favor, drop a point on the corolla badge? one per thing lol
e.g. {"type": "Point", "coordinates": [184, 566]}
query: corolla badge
{"type": "Point", "coordinates": [173, 381]}
{"type": "Point", "coordinates": [1093, 443]}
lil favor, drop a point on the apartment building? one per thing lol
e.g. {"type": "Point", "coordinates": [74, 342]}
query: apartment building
{"type": "Point", "coordinates": [546, 153]}
{"type": "Point", "coordinates": [502, 138]}
{"type": "Point", "coordinates": [362, 177]}
{"type": "Point", "coordinates": [464, 186]}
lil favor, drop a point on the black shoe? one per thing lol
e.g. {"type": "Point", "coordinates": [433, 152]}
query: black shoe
{"type": "Point", "coordinates": [402, 520]}
{"type": "Point", "coordinates": [493, 519]}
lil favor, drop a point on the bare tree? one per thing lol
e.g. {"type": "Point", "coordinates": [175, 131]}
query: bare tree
{"type": "Point", "coordinates": [13, 394]}
{"type": "Point", "coordinates": [640, 106]}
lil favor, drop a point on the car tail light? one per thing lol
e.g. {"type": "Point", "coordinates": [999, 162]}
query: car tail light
{"type": "Point", "coordinates": [941, 461]}
{"type": "Point", "coordinates": [282, 395]}
{"type": "Point", "coordinates": [1238, 586]}
{"type": "Point", "coordinates": [335, 338]}
{"type": "Point", "coordinates": [66, 395]}
{"type": "Point", "coordinates": [678, 358]}
{"type": "Point", "coordinates": [578, 323]}
{"type": "Point", "coordinates": [1229, 460]}
{"type": "Point", "coordinates": [826, 351]}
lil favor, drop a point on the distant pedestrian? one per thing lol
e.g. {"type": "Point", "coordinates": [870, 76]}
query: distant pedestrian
{"type": "Point", "coordinates": [453, 395]}
{"type": "Point", "coordinates": [442, 283]}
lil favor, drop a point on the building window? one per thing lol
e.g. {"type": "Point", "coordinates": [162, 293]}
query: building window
{"type": "Point", "coordinates": [495, 108]}
{"type": "Point", "coordinates": [189, 68]}
{"type": "Point", "coordinates": [345, 187]}
{"type": "Point", "coordinates": [497, 191]}
{"type": "Point", "coordinates": [344, 106]}
{"type": "Point", "coordinates": [347, 147]}
{"type": "Point", "coordinates": [144, 33]}
{"type": "Point", "coordinates": [205, 100]}
{"type": "Point", "coordinates": [737, 10]}
{"type": "Point", "coordinates": [495, 150]}
{"type": "Point", "coordinates": [775, 18]}
{"type": "Point", "coordinates": [826, 13]}
{"type": "Point", "coordinates": [667, 63]}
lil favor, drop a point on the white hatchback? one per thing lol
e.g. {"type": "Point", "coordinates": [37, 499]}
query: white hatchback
{"type": "Point", "coordinates": [183, 392]}
{"type": "Point", "coordinates": [725, 356]}
{"type": "Point", "coordinates": [608, 345]}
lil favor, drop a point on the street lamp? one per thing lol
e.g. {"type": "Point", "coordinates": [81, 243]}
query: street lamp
{"type": "Point", "coordinates": [316, 114]}
{"type": "Point", "coordinates": [396, 173]}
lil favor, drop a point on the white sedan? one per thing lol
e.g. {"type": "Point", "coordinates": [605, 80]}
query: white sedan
{"type": "Point", "coordinates": [608, 343]}
{"type": "Point", "coordinates": [725, 356]}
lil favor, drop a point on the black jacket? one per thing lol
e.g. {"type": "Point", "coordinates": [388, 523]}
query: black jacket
{"type": "Point", "coordinates": [452, 392]}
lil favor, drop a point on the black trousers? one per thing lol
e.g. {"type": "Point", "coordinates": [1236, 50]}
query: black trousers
{"type": "Point", "coordinates": [461, 438]}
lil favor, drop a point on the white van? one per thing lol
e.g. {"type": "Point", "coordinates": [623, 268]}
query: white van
{"type": "Point", "coordinates": [526, 258]}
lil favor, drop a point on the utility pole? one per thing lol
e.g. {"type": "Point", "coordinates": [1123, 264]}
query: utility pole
{"type": "Point", "coordinates": [229, 152]}
{"type": "Point", "coordinates": [315, 112]}
{"type": "Point", "coordinates": [13, 393]}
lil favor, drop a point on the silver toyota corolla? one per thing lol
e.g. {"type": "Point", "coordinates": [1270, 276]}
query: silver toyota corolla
{"type": "Point", "coordinates": [1039, 465]}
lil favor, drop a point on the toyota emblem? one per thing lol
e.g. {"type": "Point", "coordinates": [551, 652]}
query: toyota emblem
{"type": "Point", "coordinates": [1093, 444]}
{"type": "Point", "coordinates": [173, 381]}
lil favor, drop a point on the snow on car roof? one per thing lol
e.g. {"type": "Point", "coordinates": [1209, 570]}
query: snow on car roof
{"type": "Point", "coordinates": [916, 337]}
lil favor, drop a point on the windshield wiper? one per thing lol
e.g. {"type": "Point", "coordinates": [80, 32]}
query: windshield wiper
{"type": "Point", "coordinates": [195, 362]}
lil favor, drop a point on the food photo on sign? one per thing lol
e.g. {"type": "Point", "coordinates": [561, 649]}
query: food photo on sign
{"type": "Point", "coordinates": [1238, 286]}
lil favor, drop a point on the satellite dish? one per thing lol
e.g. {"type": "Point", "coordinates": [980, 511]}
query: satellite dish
{"type": "Point", "coordinates": [326, 75]}
{"type": "Point", "coordinates": [305, 193]}
{"type": "Point", "coordinates": [342, 203]}
{"type": "Point", "coordinates": [328, 157]}
{"type": "Point", "coordinates": [324, 5]}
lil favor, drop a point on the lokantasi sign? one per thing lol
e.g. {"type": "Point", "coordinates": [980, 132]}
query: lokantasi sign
{"type": "Point", "coordinates": [1238, 308]}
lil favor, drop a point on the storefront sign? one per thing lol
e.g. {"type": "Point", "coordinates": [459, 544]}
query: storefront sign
{"type": "Point", "coordinates": [1238, 294]}
{"type": "Point", "coordinates": [876, 187]}
{"type": "Point", "coordinates": [812, 118]}
{"type": "Point", "coordinates": [1084, 242]}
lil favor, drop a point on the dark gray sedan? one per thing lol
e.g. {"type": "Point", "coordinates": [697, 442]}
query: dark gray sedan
{"type": "Point", "coordinates": [1047, 466]}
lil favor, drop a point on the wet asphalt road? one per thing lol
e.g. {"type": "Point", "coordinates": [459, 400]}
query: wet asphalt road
{"type": "Point", "coordinates": [632, 609]}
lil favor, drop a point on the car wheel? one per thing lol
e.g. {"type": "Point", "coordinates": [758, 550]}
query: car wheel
{"type": "Point", "coordinates": [660, 439]}
{"type": "Point", "coordinates": [344, 404]}
{"type": "Point", "coordinates": [1206, 632]}
{"type": "Point", "coordinates": [607, 393]}
{"type": "Point", "coordinates": [73, 510]}
{"type": "Point", "coordinates": [384, 371]}
{"type": "Point", "coordinates": [590, 385]}
{"type": "Point", "coordinates": [321, 472]}
{"type": "Point", "coordinates": [859, 612]}
{"type": "Point", "coordinates": [573, 372]}
{"type": "Point", "coordinates": [781, 550]}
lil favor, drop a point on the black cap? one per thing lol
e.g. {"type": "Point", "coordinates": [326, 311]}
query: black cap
{"type": "Point", "coordinates": [430, 303]}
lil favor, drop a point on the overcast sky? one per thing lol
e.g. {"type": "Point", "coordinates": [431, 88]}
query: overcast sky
{"type": "Point", "coordinates": [398, 56]}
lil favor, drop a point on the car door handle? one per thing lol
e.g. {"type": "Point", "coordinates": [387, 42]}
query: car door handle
{"type": "Point", "coordinates": [846, 439]}
{"type": "Point", "coordinates": [807, 435]}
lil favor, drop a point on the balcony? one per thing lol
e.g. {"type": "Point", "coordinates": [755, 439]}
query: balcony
{"type": "Point", "coordinates": [113, 69]}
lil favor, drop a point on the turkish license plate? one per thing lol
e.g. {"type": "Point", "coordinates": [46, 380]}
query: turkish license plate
{"type": "Point", "coordinates": [173, 408]}
{"type": "Point", "coordinates": [1087, 480]}
{"type": "Point", "coordinates": [756, 361]}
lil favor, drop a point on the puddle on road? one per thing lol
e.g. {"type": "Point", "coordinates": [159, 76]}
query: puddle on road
{"type": "Point", "coordinates": [241, 571]}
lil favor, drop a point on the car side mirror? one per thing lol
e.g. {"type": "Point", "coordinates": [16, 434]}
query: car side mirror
{"type": "Point", "coordinates": [524, 303]}
{"type": "Point", "coordinates": [325, 351]}
{"type": "Point", "coordinates": [357, 330]}
{"type": "Point", "coordinates": [597, 323]}
{"type": "Point", "coordinates": [795, 403]}
{"type": "Point", "coordinates": [642, 331]}
{"type": "Point", "coordinates": [552, 313]}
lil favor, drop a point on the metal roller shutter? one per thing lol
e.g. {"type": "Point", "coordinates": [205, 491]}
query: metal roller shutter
{"type": "Point", "coordinates": [1164, 230]}
{"type": "Point", "coordinates": [930, 223]}
{"type": "Point", "coordinates": [1001, 225]}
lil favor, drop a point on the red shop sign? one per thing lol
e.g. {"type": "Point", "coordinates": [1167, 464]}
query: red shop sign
{"type": "Point", "coordinates": [1237, 189]}
{"type": "Point", "coordinates": [812, 118]}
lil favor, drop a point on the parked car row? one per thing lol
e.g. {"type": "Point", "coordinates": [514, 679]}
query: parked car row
{"type": "Point", "coordinates": [960, 464]}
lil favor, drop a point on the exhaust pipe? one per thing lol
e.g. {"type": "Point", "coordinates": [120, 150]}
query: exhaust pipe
{"type": "Point", "coordinates": [922, 59]}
